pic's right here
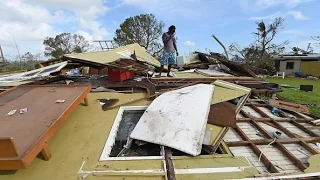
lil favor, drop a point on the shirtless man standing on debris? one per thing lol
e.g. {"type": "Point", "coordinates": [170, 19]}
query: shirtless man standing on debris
{"type": "Point", "coordinates": [170, 50]}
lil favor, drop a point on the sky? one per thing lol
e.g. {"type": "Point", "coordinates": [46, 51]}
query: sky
{"type": "Point", "coordinates": [28, 22]}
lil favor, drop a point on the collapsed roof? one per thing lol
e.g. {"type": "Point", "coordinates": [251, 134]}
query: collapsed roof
{"type": "Point", "coordinates": [239, 137]}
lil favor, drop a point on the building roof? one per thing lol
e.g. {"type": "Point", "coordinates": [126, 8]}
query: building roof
{"type": "Point", "coordinates": [314, 56]}
{"type": "Point", "coordinates": [77, 146]}
{"type": "Point", "coordinates": [124, 52]}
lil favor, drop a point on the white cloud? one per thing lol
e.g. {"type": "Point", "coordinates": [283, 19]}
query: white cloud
{"type": "Point", "coordinates": [258, 5]}
{"type": "Point", "coordinates": [21, 32]}
{"type": "Point", "coordinates": [297, 15]}
{"type": "Point", "coordinates": [33, 20]}
{"type": "Point", "coordinates": [190, 43]}
{"type": "Point", "coordinates": [18, 11]}
{"type": "Point", "coordinates": [182, 8]}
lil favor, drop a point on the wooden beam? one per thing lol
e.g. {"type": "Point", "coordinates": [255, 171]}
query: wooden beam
{"type": "Point", "coordinates": [283, 129]}
{"type": "Point", "coordinates": [308, 147]}
{"type": "Point", "coordinates": [295, 114]}
{"type": "Point", "coordinates": [242, 134]}
{"type": "Point", "coordinates": [244, 115]}
{"type": "Point", "coordinates": [271, 167]}
{"type": "Point", "coordinates": [169, 164]}
{"type": "Point", "coordinates": [259, 111]}
{"type": "Point", "coordinates": [204, 79]}
{"type": "Point", "coordinates": [302, 120]}
{"type": "Point", "coordinates": [267, 141]}
{"type": "Point", "coordinates": [260, 129]}
{"type": "Point", "coordinates": [289, 155]}
{"type": "Point", "coordinates": [238, 143]}
{"type": "Point", "coordinates": [262, 142]}
{"type": "Point", "coordinates": [311, 133]}
{"type": "Point", "coordinates": [258, 105]}
{"type": "Point", "coordinates": [243, 119]}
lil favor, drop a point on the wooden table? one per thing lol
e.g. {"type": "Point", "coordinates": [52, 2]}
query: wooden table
{"type": "Point", "coordinates": [24, 136]}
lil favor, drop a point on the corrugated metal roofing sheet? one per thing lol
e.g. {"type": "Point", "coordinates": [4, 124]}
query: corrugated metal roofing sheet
{"type": "Point", "coordinates": [106, 57]}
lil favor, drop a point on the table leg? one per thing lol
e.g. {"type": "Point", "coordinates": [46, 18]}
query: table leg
{"type": "Point", "coordinates": [46, 152]}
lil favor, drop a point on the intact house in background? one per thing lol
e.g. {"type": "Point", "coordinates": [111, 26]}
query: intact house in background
{"type": "Point", "coordinates": [307, 64]}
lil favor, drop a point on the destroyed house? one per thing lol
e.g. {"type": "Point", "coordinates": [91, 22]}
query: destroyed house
{"type": "Point", "coordinates": [204, 123]}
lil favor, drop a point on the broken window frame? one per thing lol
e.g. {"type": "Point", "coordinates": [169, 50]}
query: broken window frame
{"type": "Point", "coordinates": [105, 155]}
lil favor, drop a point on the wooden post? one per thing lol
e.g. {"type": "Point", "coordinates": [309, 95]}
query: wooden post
{"type": "Point", "coordinates": [169, 164]}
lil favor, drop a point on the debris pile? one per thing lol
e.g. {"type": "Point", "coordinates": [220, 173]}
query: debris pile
{"type": "Point", "coordinates": [208, 107]}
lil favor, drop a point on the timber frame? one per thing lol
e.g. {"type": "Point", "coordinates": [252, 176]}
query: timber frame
{"type": "Point", "coordinates": [276, 142]}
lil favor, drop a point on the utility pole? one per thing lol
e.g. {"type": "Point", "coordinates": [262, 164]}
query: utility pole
{"type": "Point", "coordinates": [2, 56]}
{"type": "Point", "coordinates": [18, 52]}
{"type": "Point", "coordinates": [224, 48]}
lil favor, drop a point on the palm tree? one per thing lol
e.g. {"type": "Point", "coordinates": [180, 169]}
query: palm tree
{"type": "Point", "coordinates": [265, 34]}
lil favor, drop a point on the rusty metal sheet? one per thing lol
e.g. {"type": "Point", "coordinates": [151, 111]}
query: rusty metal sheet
{"type": "Point", "coordinates": [222, 114]}
{"type": "Point", "coordinates": [289, 106]}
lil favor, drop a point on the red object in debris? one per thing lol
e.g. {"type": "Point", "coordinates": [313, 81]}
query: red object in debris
{"type": "Point", "coordinates": [118, 75]}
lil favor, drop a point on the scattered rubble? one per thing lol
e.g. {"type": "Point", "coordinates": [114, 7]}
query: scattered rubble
{"type": "Point", "coordinates": [208, 107]}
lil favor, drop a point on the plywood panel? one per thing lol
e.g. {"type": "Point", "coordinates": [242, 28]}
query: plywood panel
{"type": "Point", "coordinates": [232, 136]}
{"type": "Point", "coordinates": [311, 127]}
{"type": "Point", "coordinates": [268, 112]}
{"type": "Point", "coordinates": [250, 130]}
{"type": "Point", "coordinates": [13, 95]}
{"type": "Point", "coordinates": [294, 129]}
{"type": "Point", "coordinates": [251, 112]}
{"type": "Point", "coordinates": [282, 163]}
{"type": "Point", "coordinates": [42, 113]}
{"type": "Point", "coordinates": [271, 129]}
{"type": "Point", "coordinates": [251, 156]}
{"type": "Point", "coordinates": [32, 130]}
{"type": "Point", "coordinates": [299, 152]}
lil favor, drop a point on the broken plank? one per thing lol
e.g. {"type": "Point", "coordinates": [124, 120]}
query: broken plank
{"type": "Point", "coordinates": [170, 173]}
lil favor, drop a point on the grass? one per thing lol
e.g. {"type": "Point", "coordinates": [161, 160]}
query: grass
{"type": "Point", "coordinates": [297, 96]}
